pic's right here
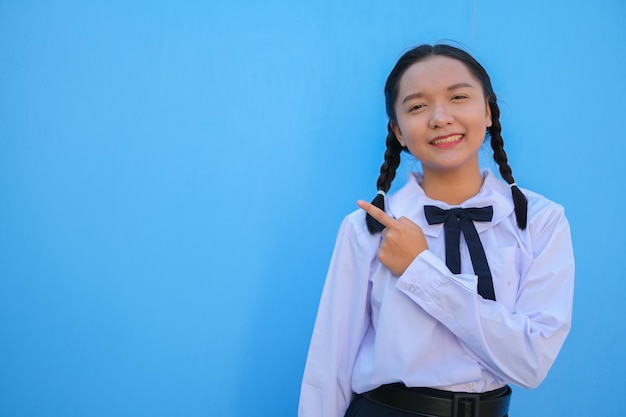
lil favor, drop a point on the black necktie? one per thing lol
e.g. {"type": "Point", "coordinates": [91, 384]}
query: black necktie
{"type": "Point", "coordinates": [462, 219]}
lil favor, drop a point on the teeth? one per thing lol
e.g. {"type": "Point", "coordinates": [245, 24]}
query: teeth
{"type": "Point", "coordinates": [449, 139]}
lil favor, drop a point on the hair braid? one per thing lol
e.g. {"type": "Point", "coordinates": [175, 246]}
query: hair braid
{"type": "Point", "coordinates": [499, 155]}
{"type": "Point", "coordinates": [387, 174]}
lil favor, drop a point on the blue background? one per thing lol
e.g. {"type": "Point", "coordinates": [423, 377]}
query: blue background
{"type": "Point", "coordinates": [173, 174]}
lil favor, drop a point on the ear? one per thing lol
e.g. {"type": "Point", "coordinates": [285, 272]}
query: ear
{"type": "Point", "coordinates": [397, 132]}
{"type": "Point", "coordinates": [488, 116]}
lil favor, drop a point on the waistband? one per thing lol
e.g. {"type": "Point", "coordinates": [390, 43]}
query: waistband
{"type": "Point", "coordinates": [442, 403]}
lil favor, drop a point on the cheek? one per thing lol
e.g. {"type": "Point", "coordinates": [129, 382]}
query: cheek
{"type": "Point", "coordinates": [479, 120]}
{"type": "Point", "coordinates": [413, 128]}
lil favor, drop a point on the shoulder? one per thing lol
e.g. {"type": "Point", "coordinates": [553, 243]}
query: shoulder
{"type": "Point", "coordinates": [354, 228]}
{"type": "Point", "coordinates": [547, 227]}
{"type": "Point", "coordinates": [354, 241]}
{"type": "Point", "coordinates": [541, 210]}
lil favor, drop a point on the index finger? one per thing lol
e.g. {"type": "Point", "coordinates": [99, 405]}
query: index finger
{"type": "Point", "coordinates": [377, 213]}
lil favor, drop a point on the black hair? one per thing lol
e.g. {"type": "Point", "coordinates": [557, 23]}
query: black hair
{"type": "Point", "coordinates": [394, 148]}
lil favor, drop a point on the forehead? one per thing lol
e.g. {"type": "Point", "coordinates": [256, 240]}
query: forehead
{"type": "Point", "coordinates": [435, 73]}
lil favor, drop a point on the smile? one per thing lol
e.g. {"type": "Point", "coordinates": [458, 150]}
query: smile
{"type": "Point", "coordinates": [446, 140]}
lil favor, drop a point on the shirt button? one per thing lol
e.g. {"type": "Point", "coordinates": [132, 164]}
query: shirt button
{"type": "Point", "coordinates": [412, 288]}
{"type": "Point", "coordinates": [470, 385]}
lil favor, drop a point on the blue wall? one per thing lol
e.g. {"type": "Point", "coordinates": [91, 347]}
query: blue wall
{"type": "Point", "coordinates": [172, 176]}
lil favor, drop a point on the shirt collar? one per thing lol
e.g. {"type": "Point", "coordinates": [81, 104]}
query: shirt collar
{"type": "Point", "coordinates": [410, 200]}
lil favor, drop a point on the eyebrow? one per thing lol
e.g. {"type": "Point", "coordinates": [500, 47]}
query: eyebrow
{"type": "Point", "coordinates": [450, 88]}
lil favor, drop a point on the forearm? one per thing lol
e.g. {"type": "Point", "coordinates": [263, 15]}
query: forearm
{"type": "Point", "coordinates": [517, 345]}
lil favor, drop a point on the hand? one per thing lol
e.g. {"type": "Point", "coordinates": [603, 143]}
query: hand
{"type": "Point", "coordinates": [402, 240]}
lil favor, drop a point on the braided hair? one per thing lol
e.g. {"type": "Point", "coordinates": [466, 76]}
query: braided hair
{"type": "Point", "coordinates": [392, 153]}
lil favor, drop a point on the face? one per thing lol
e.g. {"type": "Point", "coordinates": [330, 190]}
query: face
{"type": "Point", "coordinates": [442, 115]}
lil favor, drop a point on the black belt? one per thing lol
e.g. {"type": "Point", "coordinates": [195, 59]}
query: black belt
{"type": "Point", "coordinates": [442, 403]}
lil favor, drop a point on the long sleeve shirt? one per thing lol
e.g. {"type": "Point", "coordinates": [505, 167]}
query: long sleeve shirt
{"type": "Point", "coordinates": [430, 327]}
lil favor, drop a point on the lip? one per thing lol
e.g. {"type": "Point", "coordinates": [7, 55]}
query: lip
{"type": "Point", "coordinates": [444, 141]}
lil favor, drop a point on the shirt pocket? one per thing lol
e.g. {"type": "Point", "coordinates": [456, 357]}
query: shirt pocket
{"type": "Point", "coordinates": [505, 271]}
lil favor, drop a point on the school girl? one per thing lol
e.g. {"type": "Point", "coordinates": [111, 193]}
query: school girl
{"type": "Point", "coordinates": [440, 295]}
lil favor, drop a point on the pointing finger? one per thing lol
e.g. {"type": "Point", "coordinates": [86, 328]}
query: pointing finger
{"type": "Point", "coordinates": [377, 213]}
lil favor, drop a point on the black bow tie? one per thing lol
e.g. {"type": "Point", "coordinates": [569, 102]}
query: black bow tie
{"type": "Point", "coordinates": [462, 219]}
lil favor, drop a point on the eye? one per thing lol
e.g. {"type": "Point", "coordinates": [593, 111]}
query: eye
{"type": "Point", "coordinates": [415, 107]}
{"type": "Point", "coordinates": [459, 97]}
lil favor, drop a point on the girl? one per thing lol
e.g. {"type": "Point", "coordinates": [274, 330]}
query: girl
{"type": "Point", "coordinates": [441, 294]}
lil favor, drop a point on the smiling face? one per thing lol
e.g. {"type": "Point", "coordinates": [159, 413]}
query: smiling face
{"type": "Point", "coordinates": [442, 115]}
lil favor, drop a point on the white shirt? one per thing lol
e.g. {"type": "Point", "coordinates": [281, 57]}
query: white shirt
{"type": "Point", "coordinates": [429, 327]}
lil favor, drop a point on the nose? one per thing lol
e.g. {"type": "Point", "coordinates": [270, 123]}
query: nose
{"type": "Point", "coordinates": [440, 116]}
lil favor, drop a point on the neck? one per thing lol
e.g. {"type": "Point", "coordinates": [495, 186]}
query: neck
{"type": "Point", "coordinates": [453, 187]}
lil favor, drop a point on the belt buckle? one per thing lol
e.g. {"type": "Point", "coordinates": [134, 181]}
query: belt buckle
{"type": "Point", "coordinates": [467, 399]}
